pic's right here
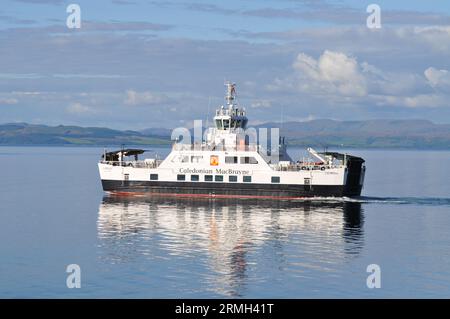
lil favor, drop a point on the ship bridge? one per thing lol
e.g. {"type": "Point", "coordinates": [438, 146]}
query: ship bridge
{"type": "Point", "coordinates": [230, 117]}
{"type": "Point", "coordinates": [230, 122]}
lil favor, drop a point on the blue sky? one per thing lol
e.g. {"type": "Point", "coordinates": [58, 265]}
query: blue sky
{"type": "Point", "coordinates": [136, 64]}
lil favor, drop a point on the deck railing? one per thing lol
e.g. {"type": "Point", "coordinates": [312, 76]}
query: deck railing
{"type": "Point", "coordinates": [304, 167]}
{"type": "Point", "coordinates": [294, 167]}
{"type": "Point", "coordinates": [135, 164]}
{"type": "Point", "coordinates": [218, 147]}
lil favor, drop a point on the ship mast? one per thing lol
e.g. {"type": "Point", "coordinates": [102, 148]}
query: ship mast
{"type": "Point", "coordinates": [231, 93]}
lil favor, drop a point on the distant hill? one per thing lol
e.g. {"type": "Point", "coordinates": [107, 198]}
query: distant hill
{"type": "Point", "coordinates": [29, 134]}
{"type": "Point", "coordinates": [416, 134]}
{"type": "Point", "coordinates": [411, 134]}
{"type": "Point", "coordinates": [157, 131]}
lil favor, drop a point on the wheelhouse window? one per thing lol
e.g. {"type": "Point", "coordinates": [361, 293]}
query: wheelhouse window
{"type": "Point", "coordinates": [208, 178]}
{"type": "Point", "coordinates": [248, 160]}
{"type": "Point", "coordinates": [181, 177]}
{"type": "Point", "coordinates": [153, 177]}
{"type": "Point", "coordinates": [218, 178]}
{"type": "Point", "coordinates": [275, 179]}
{"type": "Point", "coordinates": [226, 124]}
{"type": "Point", "coordinates": [231, 159]}
{"type": "Point", "coordinates": [247, 179]}
{"type": "Point", "coordinates": [195, 178]}
{"type": "Point", "coordinates": [232, 178]}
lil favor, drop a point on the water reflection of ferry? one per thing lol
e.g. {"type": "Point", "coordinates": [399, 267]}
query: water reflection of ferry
{"type": "Point", "coordinates": [228, 236]}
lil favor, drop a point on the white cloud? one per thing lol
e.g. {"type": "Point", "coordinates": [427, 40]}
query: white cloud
{"type": "Point", "coordinates": [144, 98]}
{"type": "Point", "coordinates": [8, 101]}
{"type": "Point", "coordinates": [438, 78]}
{"type": "Point", "coordinates": [78, 108]}
{"type": "Point", "coordinates": [336, 78]}
{"type": "Point", "coordinates": [26, 93]}
{"type": "Point", "coordinates": [414, 101]}
{"type": "Point", "coordinates": [437, 37]}
{"type": "Point", "coordinates": [332, 73]}
{"type": "Point", "coordinates": [426, 100]}
{"type": "Point", "coordinates": [261, 104]}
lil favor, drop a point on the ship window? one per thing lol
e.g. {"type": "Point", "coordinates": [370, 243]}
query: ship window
{"type": "Point", "coordinates": [180, 158]}
{"type": "Point", "coordinates": [181, 177]}
{"type": "Point", "coordinates": [153, 177]}
{"type": "Point", "coordinates": [219, 124]}
{"type": "Point", "coordinates": [196, 158]}
{"type": "Point", "coordinates": [195, 178]}
{"type": "Point", "coordinates": [275, 179]}
{"type": "Point", "coordinates": [126, 176]}
{"type": "Point", "coordinates": [307, 184]}
{"type": "Point", "coordinates": [218, 178]}
{"type": "Point", "coordinates": [247, 179]}
{"type": "Point", "coordinates": [248, 160]}
{"type": "Point", "coordinates": [231, 159]}
{"type": "Point", "coordinates": [232, 178]}
{"type": "Point", "coordinates": [208, 178]}
{"type": "Point", "coordinates": [226, 124]}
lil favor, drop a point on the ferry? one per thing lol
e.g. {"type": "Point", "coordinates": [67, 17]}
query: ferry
{"type": "Point", "coordinates": [227, 163]}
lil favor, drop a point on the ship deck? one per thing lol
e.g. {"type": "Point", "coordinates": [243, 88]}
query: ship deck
{"type": "Point", "coordinates": [276, 167]}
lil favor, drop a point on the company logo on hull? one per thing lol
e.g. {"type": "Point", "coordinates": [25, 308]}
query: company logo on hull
{"type": "Point", "coordinates": [214, 160]}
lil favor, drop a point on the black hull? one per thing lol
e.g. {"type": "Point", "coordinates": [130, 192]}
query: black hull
{"type": "Point", "coordinates": [238, 190]}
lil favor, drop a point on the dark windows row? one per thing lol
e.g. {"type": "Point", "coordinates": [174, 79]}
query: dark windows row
{"type": "Point", "coordinates": [226, 124]}
{"type": "Point", "coordinates": [242, 160]}
{"type": "Point", "coordinates": [216, 178]}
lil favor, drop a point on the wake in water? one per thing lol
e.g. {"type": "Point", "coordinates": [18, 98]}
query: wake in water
{"type": "Point", "coordinates": [429, 201]}
{"type": "Point", "coordinates": [423, 201]}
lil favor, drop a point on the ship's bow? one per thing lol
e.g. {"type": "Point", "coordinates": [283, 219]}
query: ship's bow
{"type": "Point", "coordinates": [355, 176]}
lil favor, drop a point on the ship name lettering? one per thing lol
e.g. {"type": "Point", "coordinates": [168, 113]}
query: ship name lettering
{"type": "Point", "coordinates": [231, 171]}
{"type": "Point", "coordinates": [195, 171]}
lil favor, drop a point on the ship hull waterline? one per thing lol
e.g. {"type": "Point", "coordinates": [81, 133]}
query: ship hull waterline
{"type": "Point", "coordinates": [225, 190]}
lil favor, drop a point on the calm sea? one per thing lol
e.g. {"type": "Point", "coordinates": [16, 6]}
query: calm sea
{"type": "Point", "coordinates": [53, 213]}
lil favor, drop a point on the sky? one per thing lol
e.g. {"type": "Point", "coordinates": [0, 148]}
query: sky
{"type": "Point", "coordinates": [136, 64]}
